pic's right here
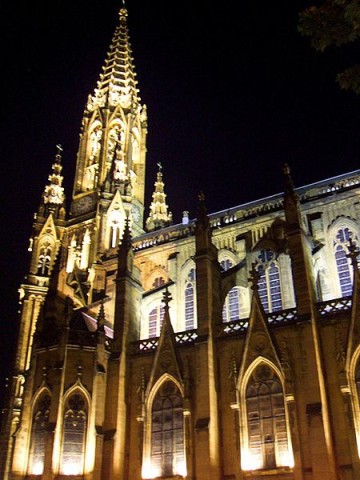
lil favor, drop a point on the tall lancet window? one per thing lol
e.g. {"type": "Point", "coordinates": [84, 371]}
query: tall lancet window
{"type": "Point", "coordinates": [269, 282]}
{"type": "Point", "coordinates": [267, 436]}
{"type": "Point", "coordinates": [189, 296]}
{"type": "Point", "coordinates": [236, 302]}
{"type": "Point", "coordinates": [167, 432]}
{"type": "Point", "coordinates": [340, 245]}
{"type": "Point", "coordinates": [38, 435]}
{"type": "Point", "coordinates": [156, 317]}
{"type": "Point", "coordinates": [74, 435]}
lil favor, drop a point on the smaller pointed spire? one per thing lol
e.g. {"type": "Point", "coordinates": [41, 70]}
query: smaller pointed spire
{"type": "Point", "coordinates": [101, 317]}
{"type": "Point", "coordinates": [353, 254]}
{"type": "Point", "coordinates": [201, 211]}
{"type": "Point", "coordinates": [117, 84]}
{"type": "Point", "coordinates": [54, 192]}
{"type": "Point", "coordinates": [254, 277]}
{"type": "Point", "coordinates": [159, 216]}
{"type": "Point", "coordinates": [291, 200]}
{"type": "Point", "coordinates": [125, 247]}
{"type": "Point", "coordinates": [167, 298]}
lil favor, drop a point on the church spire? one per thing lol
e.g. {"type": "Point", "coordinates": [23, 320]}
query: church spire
{"type": "Point", "coordinates": [117, 84]}
{"type": "Point", "coordinates": [159, 216]}
{"type": "Point", "coordinates": [53, 198]}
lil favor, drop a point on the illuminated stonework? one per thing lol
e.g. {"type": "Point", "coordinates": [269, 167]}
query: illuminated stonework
{"type": "Point", "coordinates": [251, 371]}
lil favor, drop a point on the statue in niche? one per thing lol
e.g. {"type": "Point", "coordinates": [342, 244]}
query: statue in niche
{"type": "Point", "coordinates": [95, 138]}
{"type": "Point", "coordinates": [44, 260]}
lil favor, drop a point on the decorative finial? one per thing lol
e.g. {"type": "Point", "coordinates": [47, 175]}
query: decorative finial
{"type": "Point", "coordinates": [289, 184]}
{"type": "Point", "coordinates": [123, 10]}
{"type": "Point", "coordinates": [166, 298]}
{"type": "Point", "coordinates": [160, 167]}
{"type": "Point", "coordinates": [353, 253]}
{"type": "Point", "coordinates": [101, 316]}
{"type": "Point", "coordinates": [59, 149]}
{"type": "Point", "coordinates": [201, 197]}
{"type": "Point", "coordinates": [254, 276]}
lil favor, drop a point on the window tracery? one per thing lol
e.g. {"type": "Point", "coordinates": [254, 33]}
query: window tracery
{"type": "Point", "coordinates": [158, 282]}
{"type": "Point", "coordinates": [74, 435]}
{"type": "Point", "coordinates": [267, 436]}
{"type": "Point", "coordinates": [189, 296]}
{"type": "Point", "coordinates": [341, 251]}
{"type": "Point", "coordinates": [156, 317]}
{"type": "Point", "coordinates": [167, 431]}
{"type": "Point", "coordinates": [269, 285]}
{"type": "Point", "coordinates": [38, 434]}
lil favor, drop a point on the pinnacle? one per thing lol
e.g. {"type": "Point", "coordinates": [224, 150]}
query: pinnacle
{"type": "Point", "coordinates": [117, 83]}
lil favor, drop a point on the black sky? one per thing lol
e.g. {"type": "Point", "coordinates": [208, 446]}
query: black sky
{"type": "Point", "coordinates": [233, 92]}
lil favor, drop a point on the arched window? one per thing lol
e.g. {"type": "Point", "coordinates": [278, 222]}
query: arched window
{"type": "Point", "coordinates": [38, 434]}
{"type": "Point", "coordinates": [267, 436]}
{"type": "Point", "coordinates": [167, 431]}
{"type": "Point", "coordinates": [190, 300]}
{"type": "Point", "coordinates": [156, 317]}
{"type": "Point", "coordinates": [269, 286]}
{"type": "Point", "coordinates": [340, 245]}
{"type": "Point", "coordinates": [74, 435]}
{"type": "Point", "coordinates": [236, 305]}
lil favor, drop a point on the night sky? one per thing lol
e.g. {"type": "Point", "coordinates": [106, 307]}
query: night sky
{"type": "Point", "coordinates": [231, 96]}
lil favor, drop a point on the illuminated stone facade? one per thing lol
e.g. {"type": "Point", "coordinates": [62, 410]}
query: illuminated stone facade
{"type": "Point", "coordinates": [226, 347]}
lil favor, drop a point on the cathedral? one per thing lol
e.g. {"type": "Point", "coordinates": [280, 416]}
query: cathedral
{"type": "Point", "coordinates": [226, 347]}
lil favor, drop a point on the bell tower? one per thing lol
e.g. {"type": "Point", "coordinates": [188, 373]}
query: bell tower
{"type": "Point", "coordinates": [110, 172]}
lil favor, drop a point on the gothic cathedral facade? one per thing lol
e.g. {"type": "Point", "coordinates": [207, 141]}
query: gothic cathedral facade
{"type": "Point", "coordinates": [225, 347]}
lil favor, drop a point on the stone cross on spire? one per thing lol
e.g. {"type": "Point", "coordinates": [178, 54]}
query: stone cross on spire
{"type": "Point", "coordinates": [166, 299]}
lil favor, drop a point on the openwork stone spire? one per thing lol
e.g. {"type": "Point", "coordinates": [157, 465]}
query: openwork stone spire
{"type": "Point", "coordinates": [117, 84]}
{"type": "Point", "coordinates": [159, 216]}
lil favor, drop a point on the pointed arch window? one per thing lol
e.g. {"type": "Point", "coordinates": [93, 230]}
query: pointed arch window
{"type": "Point", "coordinates": [38, 434]}
{"type": "Point", "coordinates": [269, 282]}
{"type": "Point", "coordinates": [267, 436]}
{"type": "Point", "coordinates": [236, 305]}
{"type": "Point", "coordinates": [167, 432]}
{"type": "Point", "coordinates": [189, 295]}
{"type": "Point", "coordinates": [340, 245]}
{"type": "Point", "coordinates": [74, 435]}
{"type": "Point", "coordinates": [156, 317]}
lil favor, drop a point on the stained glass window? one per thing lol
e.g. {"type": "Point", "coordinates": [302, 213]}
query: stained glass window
{"type": "Point", "coordinates": [167, 431]}
{"type": "Point", "coordinates": [74, 435]}
{"type": "Point", "coordinates": [266, 421]}
{"type": "Point", "coordinates": [38, 435]}
{"type": "Point", "coordinates": [156, 317]}
{"type": "Point", "coordinates": [189, 295]}
{"type": "Point", "coordinates": [269, 285]}
{"type": "Point", "coordinates": [341, 251]}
